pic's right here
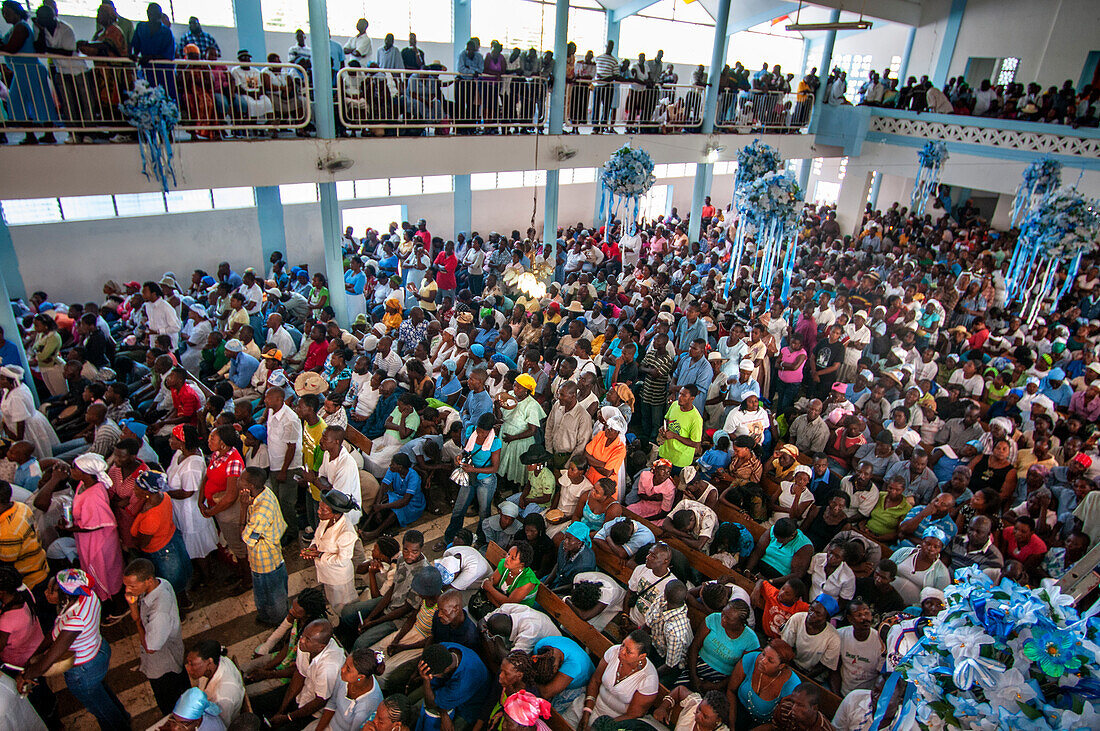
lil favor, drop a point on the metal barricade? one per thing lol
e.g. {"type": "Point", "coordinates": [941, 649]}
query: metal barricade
{"type": "Point", "coordinates": [762, 111]}
{"type": "Point", "coordinates": [633, 107]}
{"type": "Point", "coordinates": [440, 101]}
{"type": "Point", "coordinates": [81, 94]}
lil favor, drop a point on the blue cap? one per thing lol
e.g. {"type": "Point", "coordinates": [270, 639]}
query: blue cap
{"type": "Point", "coordinates": [1056, 374]}
{"type": "Point", "coordinates": [832, 606]}
{"type": "Point", "coordinates": [208, 281]}
{"type": "Point", "coordinates": [259, 431]}
{"type": "Point", "coordinates": [478, 349]}
{"type": "Point", "coordinates": [1017, 392]}
{"type": "Point", "coordinates": [135, 426]}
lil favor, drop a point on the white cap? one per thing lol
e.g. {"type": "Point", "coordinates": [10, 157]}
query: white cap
{"type": "Point", "coordinates": [746, 365]}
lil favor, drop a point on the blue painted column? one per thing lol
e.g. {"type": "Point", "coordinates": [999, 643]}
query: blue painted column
{"type": "Point", "coordinates": [9, 273]}
{"type": "Point", "coordinates": [823, 69]}
{"type": "Point", "coordinates": [325, 120]}
{"type": "Point", "coordinates": [804, 167]}
{"type": "Point", "coordinates": [710, 109]}
{"type": "Point", "coordinates": [947, 47]}
{"type": "Point", "coordinates": [269, 206]}
{"type": "Point", "coordinates": [876, 183]}
{"type": "Point", "coordinates": [556, 117]}
{"type": "Point", "coordinates": [903, 69]}
{"type": "Point", "coordinates": [612, 35]}
{"type": "Point", "coordinates": [463, 197]}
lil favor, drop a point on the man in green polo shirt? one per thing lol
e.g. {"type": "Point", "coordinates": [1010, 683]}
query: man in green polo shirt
{"type": "Point", "coordinates": [683, 429]}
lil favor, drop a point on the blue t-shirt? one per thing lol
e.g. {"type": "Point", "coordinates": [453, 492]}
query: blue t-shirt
{"type": "Point", "coordinates": [467, 688]}
{"type": "Point", "coordinates": [357, 281]}
{"type": "Point", "coordinates": [719, 650]}
{"type": "Point", "coordinates": [9, 354]}
{"type": "Point", "coordinates": [577, 664]}
{"type": "Point", "coordinates": [397, 487]}
{"type": "Point", "coordinates": [480, 457]}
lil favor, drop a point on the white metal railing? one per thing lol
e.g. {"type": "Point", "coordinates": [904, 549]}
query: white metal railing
{"type": "Point", "coordinates": [633, 106]}
{"type": "Point", "coordinates": [439, 100]}
{"type": "Point", "coordinates": [81, 94]}
{"type": "Point", "coordinates": [762, 111]}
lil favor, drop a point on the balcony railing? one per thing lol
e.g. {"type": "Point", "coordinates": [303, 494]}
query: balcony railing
{"type": "Point", "coordinates": [82, 94]}
{"type": "Point", "coordinates": [762, 111]}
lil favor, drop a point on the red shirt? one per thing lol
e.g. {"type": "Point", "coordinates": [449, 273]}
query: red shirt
{"type": "Point", "coordinates": [776, 613]}
{"type": "Point", "coordinates": [447, 263]}
{"type": "Point", "coordinates": [708, 212]}
{"type": "Point", "coordinates": [186, 403]}
{"type": "Point", "coordinates": [315, 356]}
{"type": "Point", "coordinates": [1034, 547]}
{"type": "Point", "coordinates": [425, 237]}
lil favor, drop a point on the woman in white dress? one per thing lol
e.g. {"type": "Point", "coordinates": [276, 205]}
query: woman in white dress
{"type": "Point", "coordinates": [332, 548]}
{"type": "Point", "coordinates": [185, 474]}
{"type": "Point", "coordinates": [22, 422]}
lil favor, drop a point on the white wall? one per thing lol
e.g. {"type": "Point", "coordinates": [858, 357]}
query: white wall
{"type": "Point", "coordinates": [71, 261]}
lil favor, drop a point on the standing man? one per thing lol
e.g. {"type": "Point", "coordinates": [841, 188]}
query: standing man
{"type": "Point", "coordinates": [694, 370]}
{"type": "Point", "coordinates": [359, 47]}
{"type": "Point", "coordinates": [155, 612]}
{"type": "Point", "coordinates": [607, 65]}
{"type": "Point", "coordinates": [655, 369]}
{"type": "Point", "coordinates": [197, 36]}
{"type": "Point", "coordinates": [284, 448]}
{"type": "Point", "coordinates": [160, 316]}
{"type": "Point", "coordinates": [568, 427]}
{"type": "Point", "coordinates": [683, 430]}
{"type": "Point", "coordinates": [263, 527]}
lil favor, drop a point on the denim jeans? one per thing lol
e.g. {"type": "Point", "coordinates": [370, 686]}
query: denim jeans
{"type": "Point", "coordinates": [173, 563]}
{"type": "Point", "coordinates": [480, 486]}
{"type": "Point", "coordinates": [476, 284]}
{"type": "Point", "coordinates": [71, 449]}
{"type": "Point", "coordinates": [86, 683]}
{"type": "Point", "coordinates": [270, 592]}
{"type": "Point", "coordinates": [785, 395]}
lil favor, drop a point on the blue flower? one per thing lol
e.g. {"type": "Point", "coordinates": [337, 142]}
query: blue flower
{"type": "Point", "coordinates": [1054, 651]}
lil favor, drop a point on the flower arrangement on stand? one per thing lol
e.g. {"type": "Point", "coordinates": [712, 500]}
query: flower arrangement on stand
{"type": "Point", "coordinates": [153, 113]}
{"type": "Point", "coordinates": [627, 176]}
{"type": "Point", "coordinates": [1054, 234]}
{"type": "Point", "coordinates": [930, 159]}
{"type": "Point", "coordinates": [1002, 656]}
{"type": "Point", "coordinates": [771, 203]}
{"type": "Point", "coordinates": [1041, 178]}
{"type": "Point", "coordinates": [754, 161]}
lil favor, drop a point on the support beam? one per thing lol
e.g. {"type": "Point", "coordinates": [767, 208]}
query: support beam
{"type": "Point", "coordinates": [750, 13]}
{"type": "Point", "coordinates": [852, 200]}
{"type": "Point", "coordinates": [325, 117]}
{"type": "Point", "coordinates": [823, 71]}
{"type": "Point", "coordinates": [876, 183]}
{"type": "Point", "coordinates": [903, 69]}
{"type": "Point", "coordinates": [250, 27]}
{"type": "Point", "coordinates": [804, 167]}
{"type": "Point", "coordinates": [556, 117]}
{"type": "Point", "coordinates": [463, 197]}
{"type": "Point", "coordinates": [947, 46]}
{"type": "Point", "coordinates": [717, 61]}
{"type": "Point", "coordinates": [9, 268]}
{"type": "Point", "coordinates": [269, 211]}
{"type": "Point", "coordinates": [612, 36]}
{"type": "Point", "coordinates": [631, 8]}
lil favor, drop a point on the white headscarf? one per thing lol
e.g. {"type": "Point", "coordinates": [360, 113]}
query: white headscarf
{"type": "Point", "coordinates": [93, 464]}
{"type": "Point", "coordinates": [12, 371]}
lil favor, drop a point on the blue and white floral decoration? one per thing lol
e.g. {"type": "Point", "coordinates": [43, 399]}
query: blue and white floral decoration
{"type": "Point", "coordinates": [754, 161]}
{"type": "Point", "coordinates": [1002, 656]}
{"type": "Point", "coordinates": [1054, 236]}
{"type": "Point", "coordinates": [930, 159]}
{"type": "Point", "coordinates": [627, 176]}
{"type": "Point", "coordinates": [154, 114]}
{"type": "Point", "coordinates": [771, 203]}
{"type": "Point", "coordinates": [1041, 178]}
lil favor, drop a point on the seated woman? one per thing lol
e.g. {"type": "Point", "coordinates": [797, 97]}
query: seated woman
{"type": "Point", "coordinates": [654, 492]}
{"type": "Point", "coordinates": [624, 685]}
{"type": "Point", "coordinates": [821, 524]}
{"type": "Point", "coordinates": [718, 645]}
{"type": "Point", "coordinates": [404, 502]}
{"type": "Point", "coordinates": [887, 515]}
{"type": "Point", "coordinates": [575, 556]}
{"type": "Point", "coordinates": [562, 669]}
{"type": "Point", "coordinates": [596, 506]}
{"type": "Point", "coordinates": [783, 464]}
{"type": "Point", "coordinates": [794, 497]}
{"type": "Point", "coordinates": [784, 549]}
{"type": "Point", "coordinates": [514, 581]}
{"type": "Point", "coordinates": [534, 533]}
{"type": "Point", "coordinates": [682, 709]}
{"type": "Point", "coordinates": [758, 682]}
{"type": "Point", "coordinates": [217, 675]}
{"type": "Point", "coordinates": [921, 567]}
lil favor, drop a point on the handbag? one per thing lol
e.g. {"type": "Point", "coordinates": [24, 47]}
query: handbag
{"type": "Point", "coordinates": [480, 605]}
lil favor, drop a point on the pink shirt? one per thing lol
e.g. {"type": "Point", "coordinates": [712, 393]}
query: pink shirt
{"type": "Point", "coordinates": [648, 509]}
{"type": "Point", "coordinates": [786, 356]}
{"type": "Point", "coordinates": [24, 635]}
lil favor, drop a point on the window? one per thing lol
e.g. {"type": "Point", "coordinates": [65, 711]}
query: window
{"type": "Point", "coordinates": [140, 204]}
{"type": "Point", "coordinates": [376, 217]}
{"type": "Point", "coordinates": [298, 193]}
{"type": "Point", "coordinates": [675, 170]}
{"type": "Point", "coordinates": [584, 175]}
{"type": "Point", "coordinates": [345, 190]}
{"type": "Point", "coordinates": [660, 171]}
{"type": "Point", "coordinates": [534, 178]}
{"type": "Point", "coordinates": [895, 65]}
{"type": "Point", "coordinates": [483, 181]}
{"type": "Point", "coordinates": [229, 198]}
{"type": "Point", "coordinates": [438, 184]}
{"type": "Point", "coordinates": [843, 169]}
{"type": "Point", "coordinates": [510, 179]}
{"type": "Point", "coordinates": [406, 186]}
{"type": "Point", "coordinates": [1007, 74]}
{"type": "Point", "coordinates": [88, 207]}
{"type": "Point", "coordinates": [816, 169]}
{"type": "Point", "coordinates": [32, 210]}
{"type": "Point", "coordinates": [189, 201]}
{"type": "Point", "coordinates": [826, 192]}
{"type": "Point", "coordinates": [376, 188]}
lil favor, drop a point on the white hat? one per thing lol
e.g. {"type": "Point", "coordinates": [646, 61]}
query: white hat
{"type": "Point", "coordinates": [746, 365]}
{"type": "Point", "coordinates": [12, 371]}
{"type": "Point", "coordinates": [509, 509]}
{"type": "Point", "coordinates": [274, 292]}
{"type": "Point", "coordinates": [234, 346]}
{"type": "Point", "coordinates": [1093, 366]}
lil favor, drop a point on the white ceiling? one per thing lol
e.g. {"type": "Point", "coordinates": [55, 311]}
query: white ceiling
{"type": "Point", "coordinates": [907, 12]}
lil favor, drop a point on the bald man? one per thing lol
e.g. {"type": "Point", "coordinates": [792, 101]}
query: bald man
{"type": "Point", "coordinates": [316, 673]}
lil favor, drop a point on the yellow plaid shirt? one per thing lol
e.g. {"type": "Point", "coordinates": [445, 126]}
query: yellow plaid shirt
{"type": "Point", "coordinates": [262, 532]}
{"type": "Point", "coordinates": [19, 544]}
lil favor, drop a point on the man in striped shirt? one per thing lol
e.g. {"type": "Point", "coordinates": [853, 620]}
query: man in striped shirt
{"type": "Point", "coordinates": [606, 67]}
{"type": "Point", "coordinates": [263, 529]}
{"type": "Point", "coordinates": [19, 546]}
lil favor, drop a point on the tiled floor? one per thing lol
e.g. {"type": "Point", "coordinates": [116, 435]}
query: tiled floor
{"type": "Point", "coordinates": [228, 619]}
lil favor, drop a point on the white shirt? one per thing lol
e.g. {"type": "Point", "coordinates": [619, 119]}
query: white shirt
{"type": "Point", "coordinates": [226, 688]}
{"type": "Point", "coordinates": [611, 594]}
{"type": "Point", "coordinates": [972, 387]}
{"type": "Point", "coordinates": [855, 714]}
{"type": "Point", "coordinates": [283, 341]}
{"type": "Point", "coordinates": [706, 520]}
{"type": "Point", "coordinates": [528, 626]}
{"type": "Point", "coordinates": [336, 542]}
{"type": "Point", "coordinates": [162, 319]}
{"type": "Point", "coordinates": [253, 298]}
{"type": "Point", "coordinates": [810, 650]}
{"type": "Point", "coordinates": [359, 46]}
{"type": "Point", "coordinates": [16, 710]}
{"type": "Point", "coordinates": [841, 584]}
{"type": "Point", "coordinates": [284, 428]}
{"type": "Point", "coordinates": [320, 672]}
{"type": "Point", "coordinates": [472, 567]}
{"type": "Point", "coordinates": [613, 699]}
{"type": "Point", "coordinates": [343, 474]}
{"type": "Point", "coordinates": [860, 662]}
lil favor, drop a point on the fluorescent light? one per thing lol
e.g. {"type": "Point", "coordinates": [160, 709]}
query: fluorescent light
{"type": "Point", "coordinates": [847, 25]}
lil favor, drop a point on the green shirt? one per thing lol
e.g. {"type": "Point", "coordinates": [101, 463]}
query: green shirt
{"type": "Point", "coordinates": [542, 484]}
{"type": "Point", "coordinates": [688, 424]}
{"type": "Point", "coordinates": [527, 576]}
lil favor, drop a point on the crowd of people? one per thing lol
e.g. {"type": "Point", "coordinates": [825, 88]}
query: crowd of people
{"type": "Point", "coordinates": [756, 505]}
